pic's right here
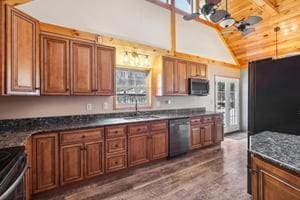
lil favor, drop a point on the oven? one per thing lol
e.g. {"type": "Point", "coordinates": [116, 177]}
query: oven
{"type": "Point", "coordinates": [198, 87]}
{"type": "Point", "coordinates": [12, 172]}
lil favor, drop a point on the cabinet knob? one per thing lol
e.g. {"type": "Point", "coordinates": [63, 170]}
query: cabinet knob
{"type": "Point", "coordinates": [116, 146]}
{"type": "Point", "coordinates": [83, 136]}
{"type": "Point", "coordinates": [116, 162]}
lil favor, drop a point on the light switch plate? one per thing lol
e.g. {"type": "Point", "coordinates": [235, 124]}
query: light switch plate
{"type": "Point", "coordinates": [89, 107]}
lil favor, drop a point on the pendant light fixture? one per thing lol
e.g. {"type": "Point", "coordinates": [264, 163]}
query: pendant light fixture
{"type": "Point", "coordinates": [276, 30]}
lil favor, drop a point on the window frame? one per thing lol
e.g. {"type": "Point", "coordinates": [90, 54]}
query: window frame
{"type": "Point", "coordinates": [148, 88]}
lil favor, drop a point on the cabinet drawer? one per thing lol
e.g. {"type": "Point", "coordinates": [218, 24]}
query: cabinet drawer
{"type": "Point", "coordinates": [116, 163]}
{"type": "Point", "coordinates": [207, 119]}
{"type": "Point", "coordinates": [115, 131]}
{"type": "Point", "coordinates": [157, 126]}
{"type": "Point", "coordinates": [196, 121]}
{"type": "Point", "coordinates": [116, 145]}
{"type": "Point", "coordinates": [71, 137]}
{"type": "Point", "coordinates": [136, 129]}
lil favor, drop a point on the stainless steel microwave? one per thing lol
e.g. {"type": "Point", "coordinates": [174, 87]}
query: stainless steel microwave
{"type": "Point", "coordinates": [199, 87]}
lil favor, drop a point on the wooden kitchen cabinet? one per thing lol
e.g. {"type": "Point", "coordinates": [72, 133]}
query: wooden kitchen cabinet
{"type": "Point", "coordinates": [196, 70]}
{"type": "Point", "coordinates": [116, 148]}
{"type": "Point", "coordinates": [270, 182]}
{"type": "Point", "coordinates": [202, 132]}
{"type": "Point", "coordinates": [83, 68]}
{"type": "Point", "coordinates": [207, 132]}
{"type": "Point", "coordinates": [55, 68]}
{"type": "Point", "coordinates": [168, 76]}
{"type": "Point", "coordinates": [105, 70]}
{"type": "Point", "coordinates": [81, 155]}
{"type": "Point", "coordinates": [180, 75]}
{"type": "Point", "coordinates": [71, 163]}
{"type": "Point", "coordinates": [138, 149]}
{"type": "Point", "coordinates": [175, 74]}
{"type": "Point", "coordinates": [218, 129]}
{"type": "Point", "coordinates": [158, 145]}
{"type": "Point", "coordinates": [22, 53]}
{"type": "Point", "coordinates": [45, 173]}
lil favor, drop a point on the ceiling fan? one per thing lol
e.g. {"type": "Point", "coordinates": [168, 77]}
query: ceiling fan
{"type": "Point", "coordinates": [245, 26]}
{"type": "Point", "coordinates": [211, 12]}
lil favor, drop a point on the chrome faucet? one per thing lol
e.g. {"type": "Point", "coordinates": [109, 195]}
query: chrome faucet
{"type": "Point", "coordinates": [136, 106]}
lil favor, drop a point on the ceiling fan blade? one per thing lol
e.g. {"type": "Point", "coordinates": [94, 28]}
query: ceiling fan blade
{"type": "Point", "coordinates": [253, 20]}
{"type": "Point", "coordinates": [218, 15]}
{"type": "Point", "coordinates": [191, 16]}
{"type": "Point", "coordinates": [248, 31]}
{"type": "Point", "coordinates": [214, 2]}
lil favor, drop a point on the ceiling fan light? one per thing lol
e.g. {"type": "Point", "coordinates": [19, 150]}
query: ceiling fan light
{"type": "Point", "coordinates": [227, 22]}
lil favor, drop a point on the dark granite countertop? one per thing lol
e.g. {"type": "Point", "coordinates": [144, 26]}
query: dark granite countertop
{"type": "Point", "coordinates": [15, 132]}
{"type": "Point", "coordinates": [278, 148]}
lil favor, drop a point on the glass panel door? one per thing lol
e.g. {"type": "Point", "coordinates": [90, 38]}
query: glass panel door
{"type": "Point", "coordinates": [227, 102]}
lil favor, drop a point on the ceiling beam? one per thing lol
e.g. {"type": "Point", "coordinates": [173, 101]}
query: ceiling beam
{"type": "Point", "coordinates": [15, 2]}
{"type": "Point", "coordinates": [266, 5]}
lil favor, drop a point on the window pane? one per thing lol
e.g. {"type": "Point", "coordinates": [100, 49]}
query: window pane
{"type": "Point", "coordinates": [184, 5]}
{"type": "Point", "coordinates": [131, 86]}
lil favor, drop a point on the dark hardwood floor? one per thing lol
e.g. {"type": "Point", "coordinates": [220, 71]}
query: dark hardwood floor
{"type": "Point", "coordinates": [210, 174]}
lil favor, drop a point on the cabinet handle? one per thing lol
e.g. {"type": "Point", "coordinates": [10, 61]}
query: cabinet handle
{"type": "Point", "coordinates": [83, 136]}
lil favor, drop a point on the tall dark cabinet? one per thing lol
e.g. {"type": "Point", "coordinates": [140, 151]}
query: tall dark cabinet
{"type": "Point", "coordinates": [274, 97]}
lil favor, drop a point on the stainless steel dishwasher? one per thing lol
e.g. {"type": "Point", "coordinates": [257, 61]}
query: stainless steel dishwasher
{"type": "Point", "coordinates": [179, 137]}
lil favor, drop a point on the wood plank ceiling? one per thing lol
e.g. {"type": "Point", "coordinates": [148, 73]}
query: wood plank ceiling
{"type": "Point", "coordinates": [261, 44]}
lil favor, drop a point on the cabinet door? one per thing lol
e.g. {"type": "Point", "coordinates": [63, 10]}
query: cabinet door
{"type": "Point", "coordinates": [207, 132]}
{"type": "Point", "coordinates": [44, 162]}
{"type": "Point", "coordinates": [269, 182]}
{"type": "Point", "coordinates": [94, 158]}
{"type": "Point", "coordinates": [137, 149]}
{"type": "Point", "coordinates": [202, 70]}
{"type": "Point", "coordinates": [105, 64]}
{"type": "Point", "coordinates": [82, 67]}
{"type": "Point", "coordinates": [180, 81]}
{"type": "Point", "coordinates": [219, 131]}
{"type": "Point", "coordinates": [168, 76]}
{"type": "Point", "coordinates": [159, 145]}
{"type": "Point", "coordinates": [71, 163]}
{"type": "Point", "coordinates": [22, 53]}
{"type": "Point", "coordinates": [192, 69]}
{"type": "Point", "coordinates": [55, 65]}
{"type": "Point", "coordinates": [195, 137]}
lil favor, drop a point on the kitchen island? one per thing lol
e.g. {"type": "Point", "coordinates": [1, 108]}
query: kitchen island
{"type": "Point", "coordinates": [275, 166]}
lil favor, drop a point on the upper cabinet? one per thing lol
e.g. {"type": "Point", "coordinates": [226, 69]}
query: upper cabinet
{"type": "Point", "coordinates": [22, 53]}
{"type": "Point", "coordinates": [172, 79]}
{"type": "Point", "coordinates": [76, 67]}
{"type": "Point", "coordinates": [55, 65]}
{"type": "Point", "coordinates": [82, 67]}
{"type": "Point", "coordinates": [105, 70]}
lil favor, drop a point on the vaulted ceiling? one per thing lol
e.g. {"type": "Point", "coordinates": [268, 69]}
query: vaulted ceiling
{"type": "Point", "coordinates": [261, 44]}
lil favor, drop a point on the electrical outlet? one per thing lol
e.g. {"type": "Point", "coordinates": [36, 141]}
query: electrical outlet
{"type": "Point", "coordinates": [105, 106]}
{"type": "Point", "coordinates": [89, 107]}
{"type": "Point", "coordinates": [169, 102]}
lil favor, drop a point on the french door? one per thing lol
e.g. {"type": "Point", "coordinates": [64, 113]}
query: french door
{"type": "Point", "coordinates": [227, 102]}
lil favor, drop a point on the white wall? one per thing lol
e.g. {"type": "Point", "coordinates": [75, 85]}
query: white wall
{"type": "Point", "coordinates": [134, 20]}
{"type": "Point", "coordinates": [198, 39]}
{"type": "Point", "coordinates": [22, 107]}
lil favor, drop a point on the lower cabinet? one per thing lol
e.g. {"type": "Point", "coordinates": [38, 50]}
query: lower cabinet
{"type": "Point", "coordinates": [272, 183]}
{"type": "Point", "coordinates": [138, 144]}
{"type": "Point", "coordinates": [147, 142]}
{"type": "Point", "coordinates": [84, 157]}
{"type": "Point", "coordinates": [206, 130]}
{"type": "Point", "coordinates": [116, 148]}
{"type": "Point", "coordinates": [219, 131]}
{"type": "Point", "coordinates": [45, 162]}
{"type": "Point", "coordinates": [71, 163]}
